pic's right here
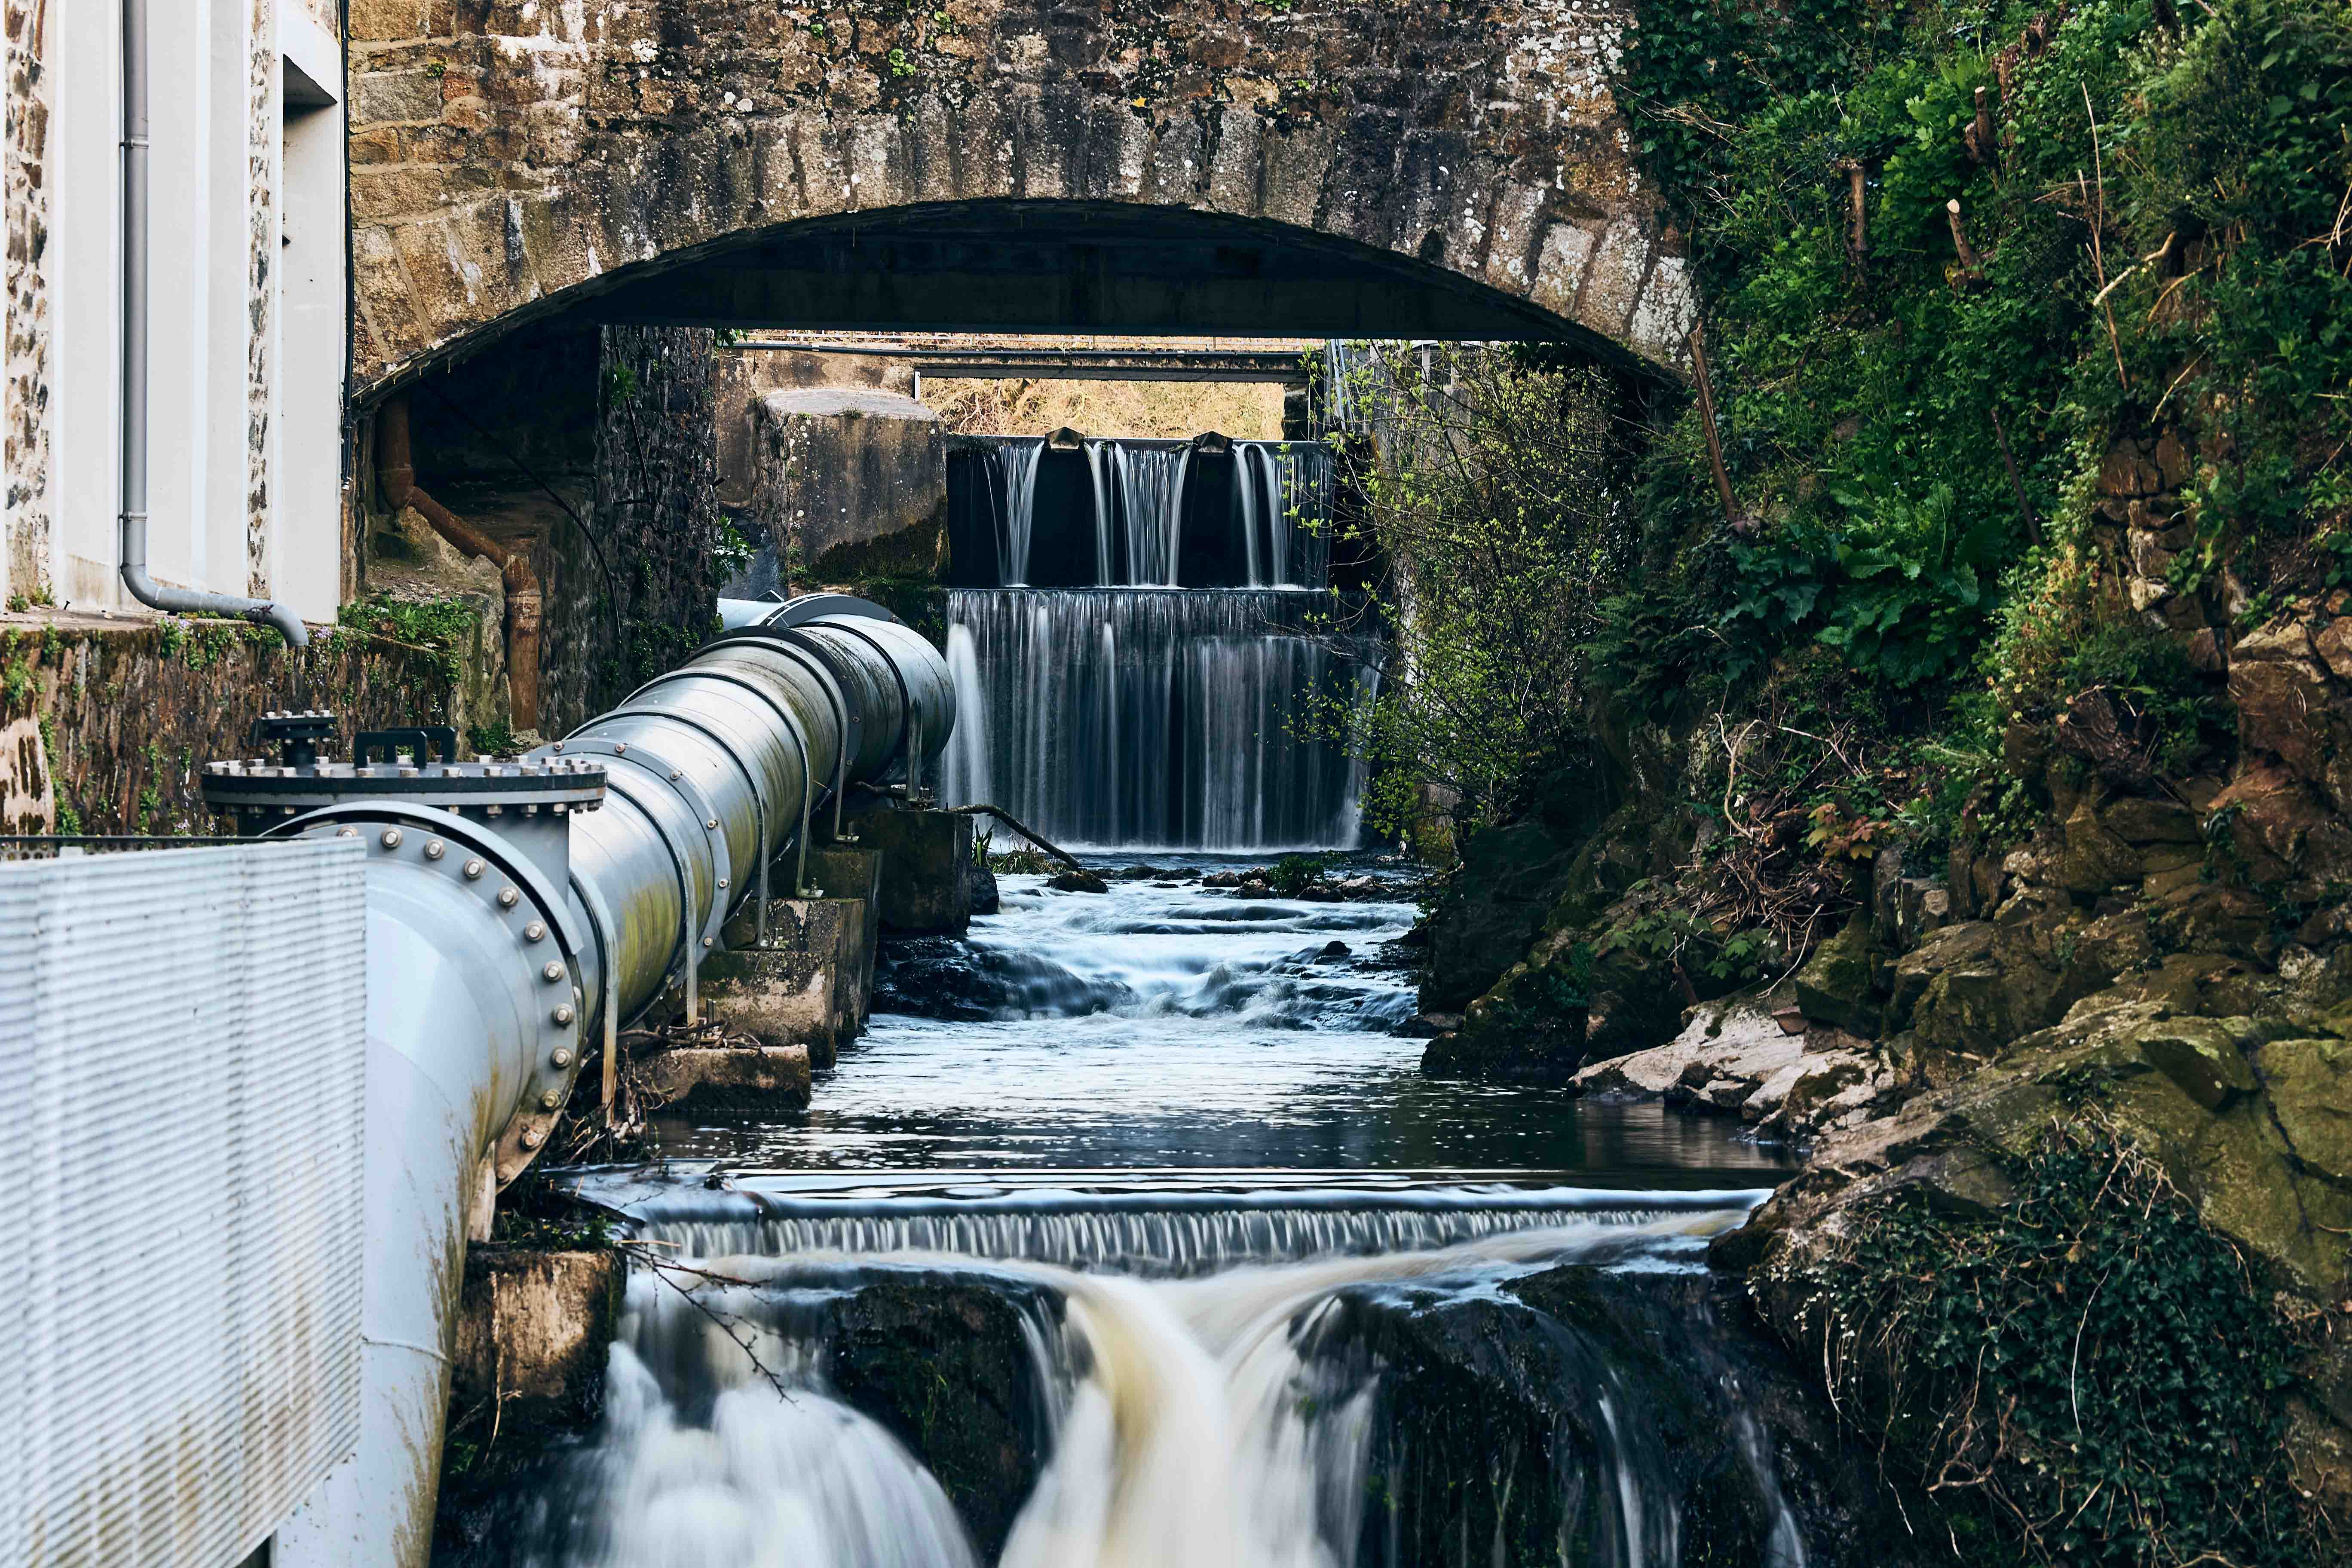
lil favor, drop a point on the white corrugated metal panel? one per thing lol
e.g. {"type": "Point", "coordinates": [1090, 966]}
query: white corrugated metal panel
{"type": "Point", "coordinates": [183, 1047]}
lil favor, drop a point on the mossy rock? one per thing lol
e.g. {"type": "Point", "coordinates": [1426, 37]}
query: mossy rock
{"type": "Point", "coordinates": [1836, 984]}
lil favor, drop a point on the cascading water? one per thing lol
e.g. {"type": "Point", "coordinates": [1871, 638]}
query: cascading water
{"type": "Point", "coordinates": [1017, 464]}
{"type": "Point", "coordinates": [1151, 489]}
{"type": "Point", "coordinates": [894, 1345]}
{"type": "Point", "coordinates": [1239, 1419]}
{"type": "Point", "coordinates": [1282, 494]}
{"type": "Point", "coordinates": [1198, 719]}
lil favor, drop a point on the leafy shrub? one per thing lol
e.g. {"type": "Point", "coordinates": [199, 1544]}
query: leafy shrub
{"type": "Point", "coordinates": [1295, 874]}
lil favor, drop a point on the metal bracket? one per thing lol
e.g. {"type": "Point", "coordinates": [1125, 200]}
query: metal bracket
{"type": "Point", "coordinates": [599, 921]}
{"type": "Point", "coordinates": [792, 727]}
{"type": "Point", "coordinates": [420, 739]}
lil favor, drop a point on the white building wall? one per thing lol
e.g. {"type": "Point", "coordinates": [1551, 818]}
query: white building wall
{"type": "Point", "coordinates": [248, 338]}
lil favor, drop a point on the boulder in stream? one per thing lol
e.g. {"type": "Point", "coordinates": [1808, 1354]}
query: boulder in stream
{"type": "Point", "coordinates": [1583, 1416]}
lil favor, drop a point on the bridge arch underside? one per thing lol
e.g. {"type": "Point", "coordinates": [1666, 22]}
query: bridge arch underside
{"type": "Point", "coordinates": [1182, 166]}
{"type": "Point", "coordinates": [1079, 266]}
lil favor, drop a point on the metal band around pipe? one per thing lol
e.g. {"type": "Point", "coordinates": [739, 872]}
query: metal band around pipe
{"type": "Point", "coordinates": [908, 720]}
{"type": "Point", "coordinates": [687, 933]}
{"type": "Point", "coordinates": [750, 777]}
{"type": "Point", "coordinates": [608, 948]}
{"type": "Point", "coordinates": [809, 659]}
{"type": "Point", "coordinates": [792, 728]}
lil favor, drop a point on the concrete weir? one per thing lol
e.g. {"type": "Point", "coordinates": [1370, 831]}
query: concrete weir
{"type": "Point", "coordinates": [655, 865]}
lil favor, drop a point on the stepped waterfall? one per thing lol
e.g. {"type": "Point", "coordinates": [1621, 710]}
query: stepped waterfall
{"type": "Point", "coordinates": [1154, 662]}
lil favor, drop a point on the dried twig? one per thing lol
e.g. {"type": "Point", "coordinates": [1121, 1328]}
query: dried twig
{"type": "Point", "coordinates": [1731, 514]}
{"type": "Point", "coordinates": [2097, 216]}
{"type": "Point", "coordinates": [662, 1268]}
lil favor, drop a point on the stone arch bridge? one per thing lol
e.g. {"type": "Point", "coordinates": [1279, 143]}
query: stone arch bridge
{"type": "Point", "coordinates": [1387, 168]}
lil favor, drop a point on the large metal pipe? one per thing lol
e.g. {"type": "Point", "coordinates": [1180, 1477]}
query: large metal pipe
{"type": "Point", "coordinates": [515, 908]}
{"type": "Point", "coordinates": [132, 523]}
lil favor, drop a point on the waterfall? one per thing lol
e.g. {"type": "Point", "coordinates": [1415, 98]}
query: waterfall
{"type": "Point", "coordinates": [1244, 1420]}
{"type": "Point", "coordinates": [1141, 718]}
{"type": "Point", "coordinates": [1017, 461]}
{"type": "Point", "coordinates": [965, 771]}
{"type": "Point", "coordinates": [1282, 497]}
{"type": "Point", "coordinates": [1151, 509]}
{"type": "Point", "coordinates": [1162, 1232]}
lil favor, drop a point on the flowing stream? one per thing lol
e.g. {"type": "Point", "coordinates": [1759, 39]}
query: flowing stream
{"type": "Point", "coordinates": [1132, 1236]}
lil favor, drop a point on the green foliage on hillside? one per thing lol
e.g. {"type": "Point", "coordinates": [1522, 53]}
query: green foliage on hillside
{"type": "Point", "coordinates": [2154, 209]}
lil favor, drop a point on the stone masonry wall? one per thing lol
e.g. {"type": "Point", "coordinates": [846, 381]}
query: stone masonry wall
{"type": "Point", "coordinates": [262, 125]}
{"type": "Point", "coordinates": [505, 152]}
{"type": "Point", "coordinates": [25, 552]}
{"type": "Point", "coordinates": [105, 727]}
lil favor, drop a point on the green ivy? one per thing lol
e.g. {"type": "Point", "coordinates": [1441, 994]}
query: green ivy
{"type": "Point", "coordinates": [2091, 1368]}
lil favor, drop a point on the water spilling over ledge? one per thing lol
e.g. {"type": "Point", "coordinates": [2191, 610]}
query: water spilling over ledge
{"type": "Point", "coordinates": [1157, 1228]}
{"type": "Point", "coordinates": [1023, 512]}
{"type": "Point", "coordinates": [1136, 718]}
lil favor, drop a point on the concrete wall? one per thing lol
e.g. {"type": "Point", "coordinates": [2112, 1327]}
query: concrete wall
{"type": "Point", "coordinates": [247, 280]}
{"type": "Point", "coordinates": [742, 375]}
{"type": "Point", "coordinates": [835, 466]}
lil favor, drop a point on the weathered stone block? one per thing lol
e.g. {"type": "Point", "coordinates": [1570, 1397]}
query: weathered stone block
{"type": "Point", "coordinates": [791, 991]}
{"type": "Point", "coordinates": [835, 467]}
{"type": "Point", "coordinates": [533, 1326]}
{"type": "Point", "coordinates": [924, 889]}
{"type": "Point", "coordinates": [763, 1077]}
{"type": "Point", "coordinates": [845, 870]}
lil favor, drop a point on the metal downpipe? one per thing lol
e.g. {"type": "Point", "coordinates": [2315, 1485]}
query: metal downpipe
{"type": "Point", "coordinates": [133, 524]}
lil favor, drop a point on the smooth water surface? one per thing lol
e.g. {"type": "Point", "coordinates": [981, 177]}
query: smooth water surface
{"type": "Point", "coordinates": [1177, 1027]}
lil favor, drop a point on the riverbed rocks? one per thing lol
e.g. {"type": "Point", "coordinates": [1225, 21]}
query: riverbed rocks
{"type": "Point", "coordinates": [2249, 1117]}
{"type": "Point", "coordinates": [1739, 1059]}
{"type": "Point", "coordinates": [945, 1361]}
{"type": "Point", "coordinates": [1529, 1424]}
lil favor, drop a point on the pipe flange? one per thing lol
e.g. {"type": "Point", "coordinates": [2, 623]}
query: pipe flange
{"type": "Point", "coordinates": [706, 816]}
{"type": "Point", "coordinates": [259, 792]}
{"type": "Point", "coordinates": [442, 843]}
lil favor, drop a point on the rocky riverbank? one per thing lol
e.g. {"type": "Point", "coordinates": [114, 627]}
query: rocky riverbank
{"type": "Point", "coordinates": [2152, 972]}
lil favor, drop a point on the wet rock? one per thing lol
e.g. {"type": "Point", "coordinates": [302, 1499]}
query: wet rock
{"type": "Point", "coordinates": [1335, 949]}
{"type": "Point", "coordinates": [1519, 1426]}
{"type": "Point", "coordinates": [1076, 882]}
{"type": "Point", "coordinates": [937, 977]}
{"type": "Point", "coordinates": [1737, 1058]}
{"type": "Point", "coordinates": [1430, 1025]}
{"type": "Point", "coordinates": [945, 1364]}
{"type": "Point", "coordinates": [985, 898]}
